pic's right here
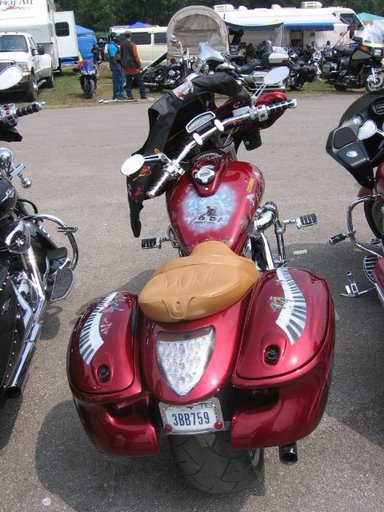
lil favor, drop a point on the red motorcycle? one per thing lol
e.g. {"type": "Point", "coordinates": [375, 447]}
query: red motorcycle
{"type": "Point", "coordinates": [358, 145]}
{"type": "Point", "coordinates": [226, 350]}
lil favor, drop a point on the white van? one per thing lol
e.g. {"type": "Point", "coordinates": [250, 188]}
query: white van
{"type": "Point", "coordinates": [151, 41]}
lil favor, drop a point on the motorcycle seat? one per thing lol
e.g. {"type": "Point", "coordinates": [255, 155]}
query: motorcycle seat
{"type": "Point", "coordinates": [249, 66]}
{"type": "Point", "coordinates": [210, 280]}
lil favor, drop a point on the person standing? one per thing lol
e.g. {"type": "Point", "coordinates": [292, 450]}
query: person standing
{"type": "Point", "coordinates": [118, 78]}
{"type": "Point", "coordinates": [132, 67]}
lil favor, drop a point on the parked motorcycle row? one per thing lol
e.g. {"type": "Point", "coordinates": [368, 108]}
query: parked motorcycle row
{"type": "Point", "coordinates": [359, 65]}
{"type": "Point", "coordinates": [227, 350]}
{"type": "Point", "coordinates": [250, 71]}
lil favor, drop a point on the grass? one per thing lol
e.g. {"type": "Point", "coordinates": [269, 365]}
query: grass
{"type": "Point", "coordinates": [67, 91]}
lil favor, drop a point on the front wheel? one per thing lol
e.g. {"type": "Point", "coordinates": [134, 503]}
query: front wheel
{"type": "Point", "coordinates": [374, 213]}
{"type": "Point", "coordinates": [89, 89]}
{"type": "Point", "coordinates": [372, 85]}
{"type": "Point", "coordinates": [209, 463]}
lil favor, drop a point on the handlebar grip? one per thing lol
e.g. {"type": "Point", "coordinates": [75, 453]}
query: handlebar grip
{"type": "Point", "coordinates": [282, 105]}
{"type": "Point", "coordinates": [156, 188]}
{"type": "Point", "coordinates": [29, 109]}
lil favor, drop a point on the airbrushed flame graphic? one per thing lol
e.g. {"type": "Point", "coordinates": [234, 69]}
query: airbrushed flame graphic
{"type": "Point", "coordinates": [90, 339]}
{"type": "Point", "coordinates": [293, 314]}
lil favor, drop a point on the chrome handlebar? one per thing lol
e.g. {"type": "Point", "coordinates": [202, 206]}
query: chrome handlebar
{"type": "Point", "coordinates": [172, 168]}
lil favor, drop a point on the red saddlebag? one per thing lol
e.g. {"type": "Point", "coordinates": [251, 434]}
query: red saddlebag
{"type": "Point", "coordinates": [284, 365]}
{"type": "Point", "coordinates": [103, 373]}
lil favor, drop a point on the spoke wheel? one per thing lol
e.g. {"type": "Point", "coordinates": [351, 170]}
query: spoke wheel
{"type": "Point", "coordinates": [374, 85]}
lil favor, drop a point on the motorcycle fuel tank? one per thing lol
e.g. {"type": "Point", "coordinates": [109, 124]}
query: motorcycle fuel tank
{"type": "Point", "coordinates": [216, 201]}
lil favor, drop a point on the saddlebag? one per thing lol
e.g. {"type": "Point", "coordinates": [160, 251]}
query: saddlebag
{"type": "Point", "coordinates": [12, 330]}
{"type": "Point", "coordinates": [103, 373]}
{"type": "Point", "coordinates": [284, 367]}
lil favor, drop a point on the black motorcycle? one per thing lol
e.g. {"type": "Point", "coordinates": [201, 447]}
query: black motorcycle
{"type": "Point", "coordinates": [355, 66]}
{"type": "Point", "coordinates": [162, 75]}
{"type": "Point", "coordinates": [34, 270]}
{"type": "Point", "coordinates": [302, 69]}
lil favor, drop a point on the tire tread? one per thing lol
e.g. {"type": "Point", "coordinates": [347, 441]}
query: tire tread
{"type": "Point", "coordinates": [209, 463]}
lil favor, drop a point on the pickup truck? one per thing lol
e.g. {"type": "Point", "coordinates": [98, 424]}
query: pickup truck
{"type": "Point", "coordinates": [21, 49]}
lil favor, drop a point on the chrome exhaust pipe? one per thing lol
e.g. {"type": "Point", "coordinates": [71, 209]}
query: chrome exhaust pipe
{"type": "Point", "coordinates": [19, 377]}
{"type": "Point", "coordinates": [288, 453]}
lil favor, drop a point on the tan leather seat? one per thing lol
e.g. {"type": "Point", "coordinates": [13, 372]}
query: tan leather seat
{"type": "Point", "coordinates": [211, 279]}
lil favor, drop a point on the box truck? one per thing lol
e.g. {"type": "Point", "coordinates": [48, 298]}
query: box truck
{"type": "Point", "coordinates": [37, 17]}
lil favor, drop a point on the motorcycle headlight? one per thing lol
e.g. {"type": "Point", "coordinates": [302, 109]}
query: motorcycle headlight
{"type": "Point", "coordinates": [377, 52]}
{"type": "Point", "coordinates": [184, 356]}
{"type": "Point", "coordinates": [23, 66]}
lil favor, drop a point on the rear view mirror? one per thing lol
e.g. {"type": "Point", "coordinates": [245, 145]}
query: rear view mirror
{"type": "Point", "coordinates": [132, 165]}
{"type": "Point", "coordinates": [276, 75]}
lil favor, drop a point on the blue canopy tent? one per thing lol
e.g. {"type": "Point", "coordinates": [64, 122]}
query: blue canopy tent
{"type": "Point", "coordinates": [140, 24]}
{"type": "Point", "coordinates": [86, 38]}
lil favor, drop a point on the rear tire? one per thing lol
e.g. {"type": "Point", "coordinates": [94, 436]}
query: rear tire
{"type": "Point", "coordinates": [50, 82]}
{"type": "Point", "coordinates": [31, 94]}
{"type": "Point", "coordinates": [209, 463]}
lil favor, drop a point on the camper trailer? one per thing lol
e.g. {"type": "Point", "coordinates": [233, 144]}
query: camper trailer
{"type": "Point", "coordinates": [66, 37]}
{"type": "Point", "coordinates": [307, 24]}
{"type": "Point", "coordinates": [36, 17]}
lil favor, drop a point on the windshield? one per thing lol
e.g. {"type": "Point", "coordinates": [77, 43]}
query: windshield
{"type": "Point", "coordinates": [13, 43]}
{"type": "Point", "coordinates": [373, 34]}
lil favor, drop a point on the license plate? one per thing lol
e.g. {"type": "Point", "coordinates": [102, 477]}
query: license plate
{"type": "Point", "coordinates": [194, 418]}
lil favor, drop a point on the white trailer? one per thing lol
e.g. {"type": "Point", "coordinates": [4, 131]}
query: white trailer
{"type": "Point", "coordinates": [36, 17]}
{"type": "Point", "coordinates": [311, 22]}
{"type": "Point", "coordinates": [66, 36]}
